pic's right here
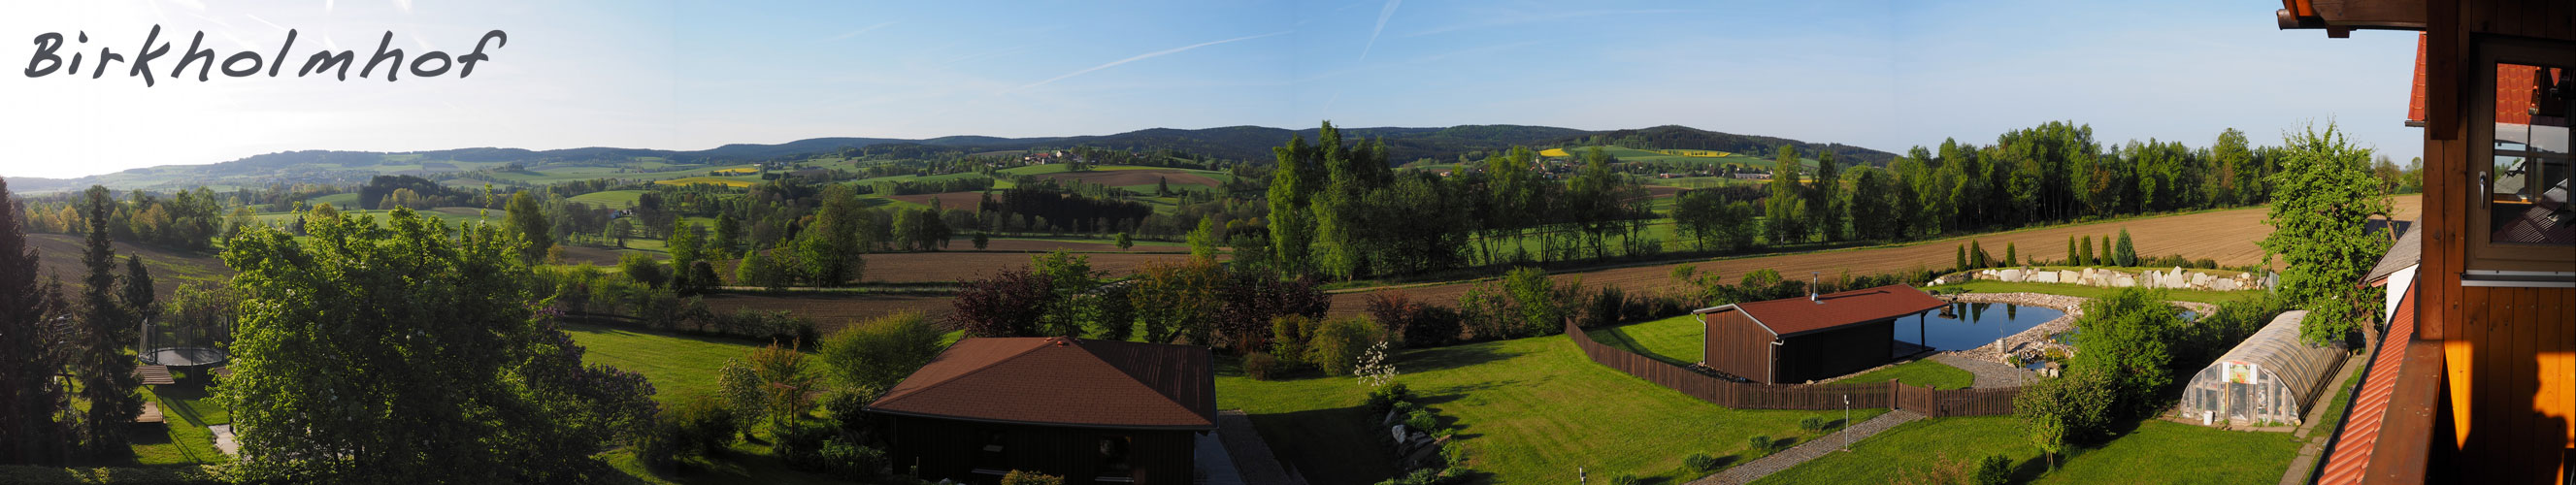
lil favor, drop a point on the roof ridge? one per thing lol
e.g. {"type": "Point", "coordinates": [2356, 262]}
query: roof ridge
{"type": "Point", "coordinates": [960, 376]}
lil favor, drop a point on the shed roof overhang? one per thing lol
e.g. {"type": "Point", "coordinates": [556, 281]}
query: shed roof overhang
{"type": "Point", "coordinates": [2340, 17]}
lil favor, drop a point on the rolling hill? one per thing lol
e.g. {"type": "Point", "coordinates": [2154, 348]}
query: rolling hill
{"type": "Point", "coordinates": [1251, 143]}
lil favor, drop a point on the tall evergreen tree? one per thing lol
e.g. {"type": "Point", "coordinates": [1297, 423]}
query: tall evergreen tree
{"type": "Point", "coordinates": [728, 235]}
{"type": "Point", "coordinates": [2086, 256]}
{"type": "Point", "coordinates": [30, 397]}
{"type": "Point", "coordinates": [1292, 185]}
{"type": "Point", "coordinates": [101, 364]}
{"type": "Point", "coordinates": [2127, 254]}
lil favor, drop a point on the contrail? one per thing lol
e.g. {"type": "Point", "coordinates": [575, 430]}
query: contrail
{"type": "Point", "coordinates": [1382, 15]}
{"type": "Point", "coordinates": [1145, 56]}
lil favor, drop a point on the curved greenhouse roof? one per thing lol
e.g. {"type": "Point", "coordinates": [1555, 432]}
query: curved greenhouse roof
{"type": "Point", "coordinates": [2277, 352]}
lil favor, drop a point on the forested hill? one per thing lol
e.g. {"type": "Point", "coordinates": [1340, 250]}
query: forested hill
{"type": "Point", "coordinates": [1671, 137]}
{"type": "Point", "coordinates": [1245, 143]}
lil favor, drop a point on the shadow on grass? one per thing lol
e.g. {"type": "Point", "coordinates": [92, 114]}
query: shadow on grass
{"type": "Point", "coordinates": [1618, 337]}
{"type": "Point", "coordinates": [1334, 445]}
{"type": "Point", "coordinates": [1452, 357]}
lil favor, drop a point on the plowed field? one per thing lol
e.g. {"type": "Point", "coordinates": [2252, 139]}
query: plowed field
{"type": "Point", "coordinates": [2227, 236]}
{"type": "Point", "coordinates": [831, 311]}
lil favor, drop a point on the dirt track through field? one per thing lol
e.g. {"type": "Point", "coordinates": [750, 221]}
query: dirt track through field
{"type": "Point", "coordinates": [2226, 236]}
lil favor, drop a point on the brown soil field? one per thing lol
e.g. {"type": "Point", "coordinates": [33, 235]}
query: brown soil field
{"type": "Point", "coordinates": [2226, 236]}
{"type": "Point", "coordinates": [952, 266]}
{"type": "Point", "coordinates": [832, 311]}
{"type": "Point", "coordinates": [1662, 191]}
{"type": "Point", "coordinates": [1029, 246]}
{"type": "Point", "coordinates": [588, 255]}
{"type": "Point", "coordinates": [60, 255]}
{"type": "Point", "coordinates": [968, 201]}
{"type": "Point", "coordinates": [1115, 178]}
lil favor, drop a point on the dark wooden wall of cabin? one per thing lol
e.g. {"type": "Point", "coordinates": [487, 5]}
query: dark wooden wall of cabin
{"type": "Point", "coordinates": [1735, 345]}
{"type": "Point", "coordinates": [2511, 390]}
{"type": "Point", "coordinates": [946, 449]}
{"type": "Point", "coordinates": [1836, 352]}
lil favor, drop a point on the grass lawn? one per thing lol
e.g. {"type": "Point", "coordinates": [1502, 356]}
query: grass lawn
{"type": "Point", "coordinates": [677, 365]}
{"type": "Point", "coordinates": [613, 199]}
{"type": "Point", "coordinates": [1923, 372]}
{"type": "Point", "coordinates": [1676, 340]}
{"type": "Point", "coordinates": [2203, 296]}
{"type": "Point", "coordinates": [680, 366]}
{"type": "Point", "coordinates": [1529, 410]}
{"type": "Point", "coordinates": [2154, 452]}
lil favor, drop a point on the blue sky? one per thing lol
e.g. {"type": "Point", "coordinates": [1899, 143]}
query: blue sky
{"type": "Point", "coordinates": [694, 75]}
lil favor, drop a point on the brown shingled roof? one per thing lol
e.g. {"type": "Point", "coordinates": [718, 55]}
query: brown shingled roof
{"type": "Point", "coordinates": [1791, 316]}
{"type": "Point", "coordinates": [1062, 381]}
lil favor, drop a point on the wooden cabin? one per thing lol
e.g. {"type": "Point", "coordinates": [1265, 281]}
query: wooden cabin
{"type": "Point", "coordinates": [1795, 340]}
{"type": "Point", "coordinates": [2475, 381]}
{"type": "Point", "coordinates": [1091, 411]}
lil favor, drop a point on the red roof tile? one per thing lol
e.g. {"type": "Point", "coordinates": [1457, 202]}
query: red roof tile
{"type": "Point", "coordinates": [2353, 445]}
{"type": "Point", "coordinates": [1062, 381]}
{"type": "Point", "coordinates": [1791, 316]}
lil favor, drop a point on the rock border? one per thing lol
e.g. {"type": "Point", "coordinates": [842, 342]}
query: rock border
{"type": "Point", "coordinates": [2037, 337]}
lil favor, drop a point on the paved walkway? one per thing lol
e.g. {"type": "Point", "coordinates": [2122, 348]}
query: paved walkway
{"type": "Point", "coordinates": [1812, 449]}
{"type": "Point", "coordinates": [1990, 374]}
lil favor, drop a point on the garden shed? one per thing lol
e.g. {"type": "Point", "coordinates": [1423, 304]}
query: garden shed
{"type": "Point", "coordinates": [1794, 340]}
{"type": "Point", "coordinates": [2270, 378]}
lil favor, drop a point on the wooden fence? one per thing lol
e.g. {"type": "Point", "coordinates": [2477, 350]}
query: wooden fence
{"type": "Point", "coordinates": [1741, 395]}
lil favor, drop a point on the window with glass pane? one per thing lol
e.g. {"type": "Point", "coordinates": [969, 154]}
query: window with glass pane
{"type": "Point", "coordinates": [2528, 184]}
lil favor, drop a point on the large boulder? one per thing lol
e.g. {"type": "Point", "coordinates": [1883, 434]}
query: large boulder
{"type": "Point", "coordinates": [2123, 281]}
{"type": "Point", "coordinates": [2044, 277]}
{"type": "Point", "coordinates": [2009, 275]}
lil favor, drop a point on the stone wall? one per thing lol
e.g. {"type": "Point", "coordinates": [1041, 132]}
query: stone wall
{"type": "Point", "coordinates": [2176, 278]}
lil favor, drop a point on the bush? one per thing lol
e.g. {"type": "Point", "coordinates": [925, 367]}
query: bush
{"type": "Point", "coordinates": [1429, 476]}
{"type": "Point", "coordinates": [847, 407]}
{"type": "Point", "coordinates": [1261, 366]}
{"type": "Point", "coordinates": [1993, 470]}
{"type": "Point", "coordinates": [1700, 462]}
{"type": "Point", "coordinates": [1413, 323]}
{"type": "Point", "coordinates": [1423, 420]}
{"type": "Point", "coordinates": [1338, 342]}
{"type": "Point", "coordinates": [845, 459]}
{"type": "Point", "coordinates": [1606, 307]}
{"type": "Point", "coordinates": [1289, 336]}
{"type": "Point", "coordinates": [1762, 445]}
{"type": "Point", "coordinates": [1813, 424]}
{"type": "Point", "coordinates": [1017, 477]}
{"type": "Point", "coordinates": [800, 446]}
{"type": "Point", "coordinates": [2205, 263]}
{"type": "Point", "coordinates": [1623, 479]}
{"type": "Point", "coordinates": [872, 357]}
{"type": "Point", "coordinates": [1384, 398]}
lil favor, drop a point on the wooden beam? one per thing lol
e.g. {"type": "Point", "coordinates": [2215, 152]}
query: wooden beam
{"type": "Point", "coordinates": [2406, 431]}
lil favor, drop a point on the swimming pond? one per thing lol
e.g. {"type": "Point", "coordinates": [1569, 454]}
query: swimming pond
{"type": "Point", "coordinates": [1963, 326]}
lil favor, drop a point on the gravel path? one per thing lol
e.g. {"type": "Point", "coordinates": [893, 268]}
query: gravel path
{"type": "Point", "coordinates": [1812, 449]}
{"type": "Point", "coordinates": [1990, 374]}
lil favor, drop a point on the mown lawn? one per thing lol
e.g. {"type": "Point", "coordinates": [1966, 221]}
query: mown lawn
{"type": "Point", "coordinates": [1529, 410]}
{"type": "Point", "coordinates": [1924, 372]}
{"type": "Point", "coordinates": [1676, 340]}
{"type": "Point", "coordinates": [2203, 296]}
{"type": "Point", "coordinates": [680, 366]}
{"type": "Point", "coordinates": [2153, 452]}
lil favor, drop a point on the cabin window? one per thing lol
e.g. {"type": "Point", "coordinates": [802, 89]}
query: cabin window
{"type": "Point", "coordinates": [1112, 460]}
{"type": "Point", "coordinates": [2520, 217]}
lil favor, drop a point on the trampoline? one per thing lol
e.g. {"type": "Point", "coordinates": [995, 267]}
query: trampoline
{"type": "Point", "coordinates": [183, 341]}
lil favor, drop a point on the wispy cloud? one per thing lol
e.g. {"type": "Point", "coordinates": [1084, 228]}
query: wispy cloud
{"type": "Point", "coordinates": [1509, 20]}
{"type": "Point", "coordinates": [1382, 15]}
{"type": "Point", "coordinates": [862, 30]}
{"type": "Point", "coordinates": [1140, 57]}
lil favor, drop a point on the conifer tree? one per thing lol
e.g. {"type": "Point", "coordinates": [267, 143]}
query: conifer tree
{"type": "Point", "coordinates": [100, 363]}
{"type": "Point", "coordinates": [28, 391]}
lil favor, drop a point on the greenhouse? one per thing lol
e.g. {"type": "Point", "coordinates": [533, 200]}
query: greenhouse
{"type": "Point", "coordinates": [2270, 379]}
